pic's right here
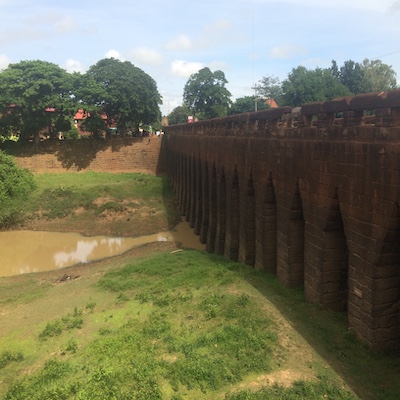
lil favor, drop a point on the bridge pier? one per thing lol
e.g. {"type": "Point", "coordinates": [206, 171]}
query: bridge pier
{"type": "Point", "coordinates": [290, 237]}
{"type": "Point", "coordinates": [231, 250]}
{"type": "Point", "coordinates": [221, 214]}
{"type": "Point", "coordinates": [326, 252]}
{"type": "Point", "coordinates": [247, 228]}
{"type": "Point", "coordinates": [317, 204]}
{"type": "Point", "coordinates": [266, 227]}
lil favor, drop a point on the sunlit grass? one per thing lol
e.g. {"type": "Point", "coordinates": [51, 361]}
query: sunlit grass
{"type": "Point", "coordinates": [177, 326]}
{"type": "Point", "coordinates": [94, 193]}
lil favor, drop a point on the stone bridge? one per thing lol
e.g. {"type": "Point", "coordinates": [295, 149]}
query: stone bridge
{"type": "Point", "coordinates": [310, 194]}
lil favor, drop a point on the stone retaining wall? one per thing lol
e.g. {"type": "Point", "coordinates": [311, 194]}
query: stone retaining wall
{"type": "Point", "coordinates": [113, 155]}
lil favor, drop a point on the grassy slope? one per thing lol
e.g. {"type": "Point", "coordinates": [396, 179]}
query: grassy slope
{"type": "Point", "coordinates": [173, 325]}
{"type": "Point", "coordinates": [154, 323]}
{"type": "Point", "coordinates": [126, 204]}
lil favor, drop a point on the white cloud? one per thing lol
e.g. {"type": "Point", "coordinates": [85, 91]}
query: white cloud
{"type": "Point", "coordinates": [4, 61]}
{"type": "Point", "coordinates": [214, 65]}
{"type": "Point", "coordinates": [317, 62]}
{"type": "Point", "coordinates": [74, 66]}
{"type": "Point", "coordinates": [180, 43]}
{"type": "Point", "coordinates": [362, 5]}
{"type": "Point", "coordinates": [43, 26]}
{"type": "Point", "coordinates": [184, 69]}
{"type": "Point", "coordinates": [4, 3]}
{"type": "Point", "coordinates": [220, 31]}
{"type": "Point", "coordinates": [65, 24]}
{"type": "Point", "coordinates": [114, 54]}
{"type": "Point", "coordinates": [395, 7]}
{"type": "Point", "coordinates": [144, 55]}
{"type": "Point", "coordinates": [52, 21]}
{"type": "Point", "coordinates": [219, 26]}
{"type": "Point", "coordinates": [287, 51]}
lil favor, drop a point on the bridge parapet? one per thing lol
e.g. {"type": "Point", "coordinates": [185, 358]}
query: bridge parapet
{"type": "Point", "coordinates": [311, 194]}
{"type": "Point", "coordinates": [360, 114]}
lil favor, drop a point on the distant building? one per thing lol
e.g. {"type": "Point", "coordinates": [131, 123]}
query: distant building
{"type": "Point", "coordinates": [271, 102]}
{"type": "Point", "coordinates": [80, 116]}
{"type": "Point", "coordinates": [164, 121]}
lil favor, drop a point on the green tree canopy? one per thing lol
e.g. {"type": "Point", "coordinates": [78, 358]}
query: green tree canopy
{"type": "Point", "coordinates": [179, 115]}
{"type": "Point", "coordinates": [365, 77]}
{"type": "Point", "coordinates": [92, 97]}
{"type": "Point", "coordinates": [15, 185]}
{"type": "Point", "coordinates": [306, 86]}
{"type": "Point", "coordinates": [270, 87]}
{"type": "Point", "coordinates": [247, 104]}
{"type": "Point", "coordinates": [127, 94]}
{"type": "Point", "coordinates": [379, 76]}
{"type": "Point", "coordinates": [352, 75]}
{"type": "Point", "coordinates": [34, 95]}
{"type": "Point", "coordinates": [206, 95]}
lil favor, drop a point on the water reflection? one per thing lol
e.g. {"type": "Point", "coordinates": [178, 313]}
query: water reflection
{"type": "Point", "coordinates": [29, 251]}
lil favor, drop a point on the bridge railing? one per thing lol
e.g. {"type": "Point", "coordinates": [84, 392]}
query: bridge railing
{"type": "Point", "coordinates": [378, 109]}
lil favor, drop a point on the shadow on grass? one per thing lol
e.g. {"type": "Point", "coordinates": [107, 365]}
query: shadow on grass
{"type": "Point", "coordinates": [372, 376]}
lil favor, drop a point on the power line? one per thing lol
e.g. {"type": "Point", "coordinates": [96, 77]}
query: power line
{"type": "Point", "coordinates": [387, 54]}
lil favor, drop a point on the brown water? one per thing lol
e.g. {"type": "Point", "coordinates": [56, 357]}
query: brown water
{"type": "Point", "coordinates": [30, 251]}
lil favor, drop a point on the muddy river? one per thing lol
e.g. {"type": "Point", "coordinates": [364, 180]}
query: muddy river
{"type": "Point", "coordinates": [30, 251]}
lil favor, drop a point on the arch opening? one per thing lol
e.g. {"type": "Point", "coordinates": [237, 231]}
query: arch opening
{"type": "Point", "coordinates": [247, 248]}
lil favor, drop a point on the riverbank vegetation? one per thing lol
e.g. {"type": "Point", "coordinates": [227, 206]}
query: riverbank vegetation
{"type": "Point", "coordinates": [91, 203]}
{"type": "Point", "coordinates": [167, 323]}
{"type": "Point", "coordinates": [15, 186]}
{"type": "Point", "coordinates": [164, 322]}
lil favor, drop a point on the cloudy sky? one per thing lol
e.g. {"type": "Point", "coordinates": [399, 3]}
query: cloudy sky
{"type": "Point", "coordinates": [172, 39]}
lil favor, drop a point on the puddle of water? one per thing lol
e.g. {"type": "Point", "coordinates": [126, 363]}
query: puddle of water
{"type": "Point", "coordinates": [30, 251]}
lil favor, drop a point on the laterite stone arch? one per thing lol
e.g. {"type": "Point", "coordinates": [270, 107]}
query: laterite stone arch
{"type": "Point", "coordinates": [309, 194]}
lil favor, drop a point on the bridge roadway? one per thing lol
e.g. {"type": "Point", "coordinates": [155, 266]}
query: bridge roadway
{"type": "Point", "coordinates": [310, 194]}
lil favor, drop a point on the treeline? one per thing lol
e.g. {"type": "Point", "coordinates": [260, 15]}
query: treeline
{"type": "Point", "coordinates": [205, 94]}
{"type": "Point", "coordinates": [304, 85]}
{"type": "Point", "coordinates": [37, 95]}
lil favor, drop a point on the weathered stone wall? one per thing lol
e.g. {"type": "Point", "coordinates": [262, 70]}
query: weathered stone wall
{"type": "Point", "coordinates": [311, 195]}
{"type": "Point", "coordinates": [113, 155]}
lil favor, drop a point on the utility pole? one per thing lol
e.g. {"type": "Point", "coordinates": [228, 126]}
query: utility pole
{"type": "Point", "coordinates": [255, 88]}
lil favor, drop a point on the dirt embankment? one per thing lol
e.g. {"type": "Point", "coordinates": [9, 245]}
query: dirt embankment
{"type": "Point", "coordinates": [124, 222]}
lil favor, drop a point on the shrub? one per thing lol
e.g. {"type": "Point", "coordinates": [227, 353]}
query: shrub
{"type": "Point", "coordinates": [6, 357]}
{"type": "Point", "coordinates": [15, 186]}
{"type": "Point", "coordinates": [72, 133]}
{"type": "Point", "coordinates": [51, 329]}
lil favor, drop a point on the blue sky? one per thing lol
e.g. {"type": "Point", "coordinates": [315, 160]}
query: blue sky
{"type": "Point", "coordinates": [171, 39]}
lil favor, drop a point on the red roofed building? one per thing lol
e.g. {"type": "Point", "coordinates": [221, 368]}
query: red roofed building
{"type": "Point", "coordinates": [272, 103]}
{"type": "Point", "coordinates": [80, 116]}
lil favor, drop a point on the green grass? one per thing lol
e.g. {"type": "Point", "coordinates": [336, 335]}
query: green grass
{"type": "Point", "coordinates": [24, 291]}
{"type": "Point", "coordinates": [173, 326]}
{"type": "Point", "coordinates": [58, 195]}
{"type": "Point", "coordinates": [121, 185]}
{"type": "Point", "coordinates": [322, 389]}
{"type": "Point", "coordinates": [96, 203]}
{"type": "Point", "coordinates": [68, 322]}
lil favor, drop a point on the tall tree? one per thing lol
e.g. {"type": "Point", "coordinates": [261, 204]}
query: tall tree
{"type": "Point", "coordinates": [131, 98]}
{"type": "Point", "coordinates": [335, 70]}
{"type": "Point", "coordinates": [247, 104]}
{"type": "Point", "coordinates": [379, 76]}
{"type": "Point", "coordinates": [206, 95]}
{"type": "Point", "coordinates": [92, 97]}
{"type": "Point", "coordinates": [305, 86]}
{"type": "Point", "coordinates": [179, 115]}
{"type": "Point", "coordinates": [270, 87]}
{"type": "Point", "coordinates": [352, 75]}
{"type": "Point", "coordinates": [34, 95]}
